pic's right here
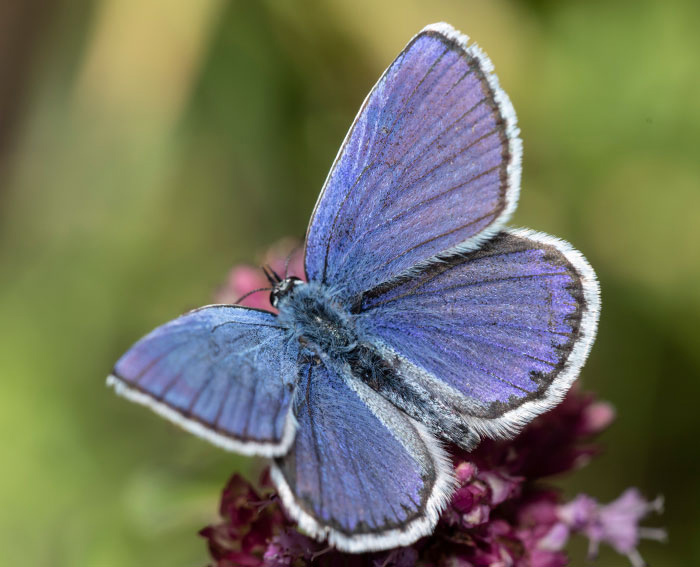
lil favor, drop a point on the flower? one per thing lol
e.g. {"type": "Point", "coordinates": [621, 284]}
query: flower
{"type": "Point", "coordinates": [250, 520]}
{"type": "Point", "coordinates": [616, 524]}
{"type": "Point", "coordinates": [502, 514]}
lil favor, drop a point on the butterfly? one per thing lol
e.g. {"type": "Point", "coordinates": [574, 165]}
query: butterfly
{"type": "Point", "coordinates": [423, 318]}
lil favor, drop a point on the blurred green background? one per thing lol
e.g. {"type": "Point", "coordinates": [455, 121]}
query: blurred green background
{"type": "Point", "coordinates": [146, 146]}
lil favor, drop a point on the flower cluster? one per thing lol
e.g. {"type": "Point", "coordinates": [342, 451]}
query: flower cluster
{"type": "Point", "coordinates": [502, 514]}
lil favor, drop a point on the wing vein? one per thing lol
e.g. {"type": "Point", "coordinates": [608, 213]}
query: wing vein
{"type": "Point", "coordinates": [436, 237]}
{"type": "Point", "coordinates": [411, 293]}
{"type": "Point", "coordinates": [367, 168]}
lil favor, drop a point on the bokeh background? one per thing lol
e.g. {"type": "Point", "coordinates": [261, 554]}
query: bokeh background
{"type": "Point", "coordinates": [146, 146]}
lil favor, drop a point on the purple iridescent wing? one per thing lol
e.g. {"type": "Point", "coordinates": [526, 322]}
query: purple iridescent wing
{"type": "Point", "coordinates": [430, 165]}
{"type": "Point", "coordinates": [223, 372]}
{"type": "Point", "coordinates": [361, 473]}
{"type": "Point", "coordinates": [498, 334]}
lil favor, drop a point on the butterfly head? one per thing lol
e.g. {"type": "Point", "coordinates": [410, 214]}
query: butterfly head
{"type": "Point", "coordinates": [282, 288]}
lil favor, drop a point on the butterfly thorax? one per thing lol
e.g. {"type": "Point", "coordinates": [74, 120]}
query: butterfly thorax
{"type": "Point", "coordinates": [315, 316]}
{"type": "Point", "coordinates": [320, 320]}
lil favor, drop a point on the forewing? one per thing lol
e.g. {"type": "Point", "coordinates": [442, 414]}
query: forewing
{"type": "Point", "coordinates": [431, 164]}
{"type": "Point", "coordinates": [498, 334]}
{"type": "Point", "coordinates": [223, 372]}
{"type": "Point", "coordinates": [361, 473]}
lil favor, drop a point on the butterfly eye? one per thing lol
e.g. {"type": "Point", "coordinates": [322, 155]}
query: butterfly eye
{"type": "Point", "coordinates": [283, 289]}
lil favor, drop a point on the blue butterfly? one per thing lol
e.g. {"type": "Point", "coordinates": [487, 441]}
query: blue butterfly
{"type": "Point", "coordinates": [424, 319]}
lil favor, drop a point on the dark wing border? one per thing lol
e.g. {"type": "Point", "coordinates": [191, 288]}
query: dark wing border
{"type": "Point", "coordinates": [441, 491]}
{"type": "Point", "coordinates": [513, 419]}
{"type": "Point", "coordinates": [507, 112]}
{"type": "Point", "coordinates": [201, 430]}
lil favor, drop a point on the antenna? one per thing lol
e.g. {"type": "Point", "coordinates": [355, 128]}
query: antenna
{"type": "Point", "coordinates": [271, 275]}
{"type": "Point", "coordinates": [251, 293]}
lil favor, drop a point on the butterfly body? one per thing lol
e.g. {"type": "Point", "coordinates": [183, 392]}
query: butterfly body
{"type": "Point", "coordinates": [423, 318]}
{"type": "Point", "coordinates": [328, 331]}
{"type": "Point", "coordinates": [316, 316]}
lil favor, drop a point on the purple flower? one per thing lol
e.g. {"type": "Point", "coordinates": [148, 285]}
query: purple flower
{"type": "Point", "coordinates": [503, 513]}
{"type": "Point", "coordinates": [616, 524]}
{"type": "Point", "coordinates": [249, 521]}
{"type": "Point", "coordinates": [498, 516]}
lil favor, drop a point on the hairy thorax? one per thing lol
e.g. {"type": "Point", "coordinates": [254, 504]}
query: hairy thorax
{"type": "Point", "coordinates": [323, 324]}
{"type": "Point", "coordinates": [314, 316]}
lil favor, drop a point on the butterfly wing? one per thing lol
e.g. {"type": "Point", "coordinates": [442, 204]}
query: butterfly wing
{"type": "Point", "coordinates": [498, 334]}
{"type": "Point", "coordinates": [435, 134]}
{"type": "Point", "coordinates": [360, 473]}
{"type": "Point", "coordinates": [223, 372]}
